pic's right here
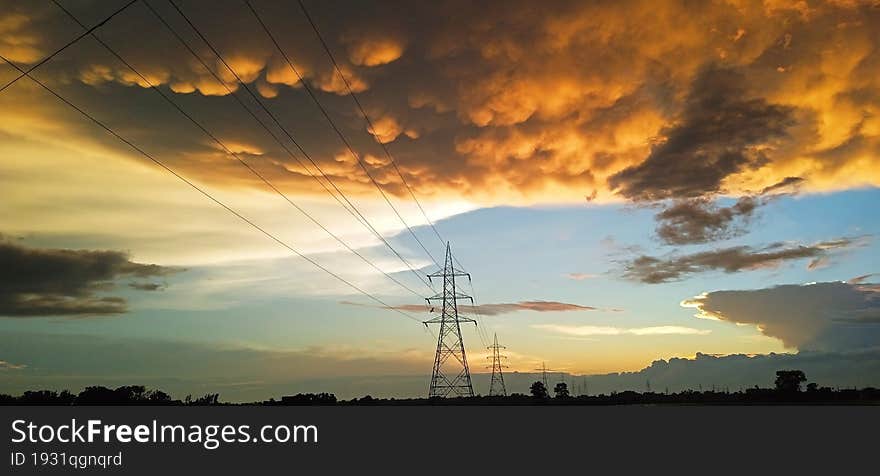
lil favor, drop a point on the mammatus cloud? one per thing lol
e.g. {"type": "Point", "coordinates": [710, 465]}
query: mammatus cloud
{"type": "Point", "coordinates": [653, 270]}
{"type": "Point", "coordinates": [501, 308]}
{"type": "Point", "coordinates": [583, 331]}
{"type": "Point", "coordinates": [60, 282]}
{"type": "Point", "coordinates": [18, 40]}
{"type": "Point", "coordinates": [666, 101]}
{"type": "Point", "coordinates": [833, 316]}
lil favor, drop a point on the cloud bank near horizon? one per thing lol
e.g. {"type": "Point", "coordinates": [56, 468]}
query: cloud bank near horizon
{"type": "Point", "coordinates": [831, 316]}
{"type": "Point", "coordinates": [243, 374]}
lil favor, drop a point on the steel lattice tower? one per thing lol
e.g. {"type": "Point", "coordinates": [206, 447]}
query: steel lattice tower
{"type": "Point", "coordinates": [544, 371]}
{"type": "Point", "coordinates": [450, 359]}
{"type": "Point", "coordinates": [496, 385]}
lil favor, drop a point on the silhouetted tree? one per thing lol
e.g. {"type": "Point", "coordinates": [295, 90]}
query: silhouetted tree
{"type": "Point", "coordinates": [96, 395]}
{"type": "Point", "coordinates": [206, 399]}
{"type": "Point", "coordinates": [158, 397]}
{"type": "Point", "coordinates": [309, 399]}
{"type": "Point", "coordinates": [538, 390]}
{"type": "Point", "coordinates": [46, 397]}
{"type": "Point", "coordinates": [561, 390]}
{"type": "Point", "coordinates": [130, 394]}
{"type": "Point", "coordinates": [812, 387]}
{"type": "Point", "coordinates": [790, 380]}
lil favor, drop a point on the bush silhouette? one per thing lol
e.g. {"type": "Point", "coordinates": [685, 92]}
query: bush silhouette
{"type": "Point", "coordinates": [561, 390]}
{"type": "Point", "coordinates": [539, 390]}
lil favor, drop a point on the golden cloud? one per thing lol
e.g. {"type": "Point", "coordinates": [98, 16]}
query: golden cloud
{"type": "Point", "coordinates": [373, 51]}
{"type": "Point", "coordinates": [18, 40]}
{"type": "Point", "coordinates": [508, 103]}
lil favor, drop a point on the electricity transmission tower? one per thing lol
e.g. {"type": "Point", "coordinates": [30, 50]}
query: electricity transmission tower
{"type": "Point", "coordinates": [496, 385]}
{"type": "Point", "coordinates": [451, 376]}
{"type": "Point", "coordinates": [544, 371]}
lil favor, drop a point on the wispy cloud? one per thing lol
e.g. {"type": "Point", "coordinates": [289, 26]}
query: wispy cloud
{"type": "Point", "coordinates": [501, 308]}
{"type": "Point", "coordinates": [4, 365]}
{"type": "Point", "coordinates": [652, 270]}
{"type": "Point", "coordinates": [582, 331]}
{"type": "Point", "coordinates": [580, 276]}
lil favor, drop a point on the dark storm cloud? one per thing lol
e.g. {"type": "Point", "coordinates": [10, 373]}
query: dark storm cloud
{"type": "Point", "coordinates": [698, 220]}
{"type": "Point", "coordinates": [61, 282]}
{"type": "Point", "coordinates": [832, 316]}
{"type": "Point", "coordinates": [701, 220]}
{"type": "Point", "coordinates": [653, 270]}
{"type": "Point", "coordinates": [720, 134]}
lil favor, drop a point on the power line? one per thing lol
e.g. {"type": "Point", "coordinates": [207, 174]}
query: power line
{"type": "Point", "coordinates": [69, 43]}
{"type": "Point", "coordinates": [353, 210]}
{"type": "Point", "coordinates": [202, 191]}
{"type": "Point", "coordinates": [478, 315]}
{"type": "Point", "coordinates": [367, 118]}
{"type": "Point", "coordinates": [337, 130]}
{"type": "Point", "coordinates": [278, 140]}
{"type": "Point", "coordinates": [230, 152]}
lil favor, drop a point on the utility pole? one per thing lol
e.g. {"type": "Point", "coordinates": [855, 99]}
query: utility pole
{"type": "Point", "coordinates": [450, 377]}
{"type": "Point", "coordinates": [496, 385]}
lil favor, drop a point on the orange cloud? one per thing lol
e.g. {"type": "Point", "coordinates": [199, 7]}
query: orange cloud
{"type": "Point", "coordinates": [18, 41]}
{"type": "Point", "coordinates": [512, 104]}
{"type": "Point", "coordinates": [370, 51]}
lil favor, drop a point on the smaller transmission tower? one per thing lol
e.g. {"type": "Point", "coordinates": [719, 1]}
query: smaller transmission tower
{"type": "Point", "coordinates": [544, 371]}
{"type": "Point", "coordinates": [451, 376]}
{"type": "Point", "coordinates": [496, 385]}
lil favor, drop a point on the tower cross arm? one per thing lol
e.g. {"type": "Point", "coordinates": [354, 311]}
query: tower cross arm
{"type": "Point", "coordinates": [439, 319]}
{"type": "Point", "coordinates": [441, 296]}
{"type": "Point", "coordinates": [456, 273]}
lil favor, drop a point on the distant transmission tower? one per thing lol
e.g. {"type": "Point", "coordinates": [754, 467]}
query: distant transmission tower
{"type": "Point", "coordinates": [496, 385]}
{"type": "Point", "coordinates": [544, 371]}
{"type": "Point", "coordinates": [450, 377]}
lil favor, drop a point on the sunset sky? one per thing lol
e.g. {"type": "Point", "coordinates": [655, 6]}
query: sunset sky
{"type": "Point", "coordinates": [626, 181]}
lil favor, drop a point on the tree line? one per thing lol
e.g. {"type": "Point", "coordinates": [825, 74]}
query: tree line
{"type": "Point", "coordinates": [788, 389]}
